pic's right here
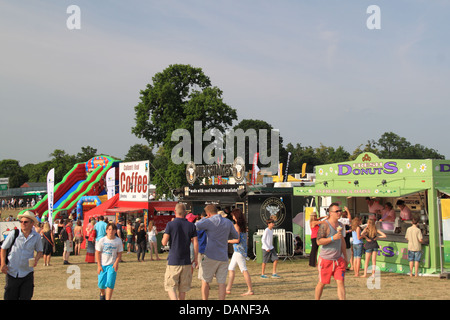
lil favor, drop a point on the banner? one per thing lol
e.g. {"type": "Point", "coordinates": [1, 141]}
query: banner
{"type": "Point", "coordinates": [134, 181]}
{"type": "Point", "coordinates": [111, 182]}
{"type": "Point", "coordinates": [280, 171]}
{"type": "Point", "coordinates": [255, 168]}
{"type": "Point", "coordinates": [445, 208]}
{"type": "Point", "coordinates": [287, 168]}
{"type": "Point", "coordinates": [50, 195]}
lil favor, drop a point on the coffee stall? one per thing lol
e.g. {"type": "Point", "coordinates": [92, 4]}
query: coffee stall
{"type": "Point", "coordinates": [420, 185]}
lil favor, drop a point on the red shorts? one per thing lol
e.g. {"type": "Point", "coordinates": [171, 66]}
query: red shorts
{"type": "Point", "coordinates": [328, 268]}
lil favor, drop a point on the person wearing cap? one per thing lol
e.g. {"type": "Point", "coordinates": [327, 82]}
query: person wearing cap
{"type": "Point", "coordinates": [20, 268]}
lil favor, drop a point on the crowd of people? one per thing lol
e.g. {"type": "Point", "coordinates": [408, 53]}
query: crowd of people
{"type": "Point", "coordinates": [344, 241]}
{"type": "Point", "coordinates": [196, 242]}
{"type": "Point", "coordinates": [17, 203]}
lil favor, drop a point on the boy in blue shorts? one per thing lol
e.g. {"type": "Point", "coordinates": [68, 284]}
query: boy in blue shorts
{"type": "Point", "coordinates": [108, 252]}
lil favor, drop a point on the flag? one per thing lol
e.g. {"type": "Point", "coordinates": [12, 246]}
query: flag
{"type": "Point", "coordinates": [255, 168]}
{"type": "Point", "coordinates": [280, 171]}
{"type": "Point", "coordinates": [111, 182]}
{"type": "Point", "coordinates": [286, 170]}
{"type": "Point", "coordinates": [50, 195]}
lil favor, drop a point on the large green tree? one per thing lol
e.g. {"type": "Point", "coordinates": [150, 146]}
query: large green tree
{"type": "Point", "coordinates": [177, 97]}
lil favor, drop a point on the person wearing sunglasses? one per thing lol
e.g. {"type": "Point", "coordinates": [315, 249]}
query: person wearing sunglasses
{"type": "Point", "coordinates": [20, 268]}
{"type": "Point", "coordinates": [333, 255]}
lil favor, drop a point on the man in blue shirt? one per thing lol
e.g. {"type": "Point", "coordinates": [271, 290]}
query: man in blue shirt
{"type": "Point", "coordinates": [100, 228]}
{"type": "Point", "coordinates": [180, 233]}
{"type": "Point", "coordinates": [20, 269]}
{"type": "Point", "coordinates": [215, 263]}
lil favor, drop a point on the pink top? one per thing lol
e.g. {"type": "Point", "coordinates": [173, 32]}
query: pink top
{"type": "Point", "coordinates": [405, 213]}
{"type": "Point", "coordinates": [314, 231]}
{"type": "Point", "coordinates": [374, 207]}
{"type": "Point", "coordinates": [388, 215]}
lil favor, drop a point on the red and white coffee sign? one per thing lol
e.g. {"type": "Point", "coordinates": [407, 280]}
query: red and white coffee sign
{"type": "Point", "coordinates": [134, 180]}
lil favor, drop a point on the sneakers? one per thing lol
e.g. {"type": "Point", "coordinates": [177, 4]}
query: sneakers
{"type": "Point", "coordinates": [275, 276]}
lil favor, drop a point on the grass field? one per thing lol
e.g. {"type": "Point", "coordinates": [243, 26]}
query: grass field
{"type": "Point", "coordinates": [145, 281]}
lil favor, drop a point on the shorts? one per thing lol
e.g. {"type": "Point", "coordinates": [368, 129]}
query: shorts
{"type": "Point", "coordinates": [178, 277]}
{"type": "Point", "coordinates": [107, 277]}
{"type": "Point", "coordinates": [328, 268]}
{"type": "Point", "coordinates": [78, 240]}
{"type": "Point", "coordinates": [68, 246]}
{"type": "Point", "coordinates": [130, 238]}
{"type": "Point", "coordinates": [269, 256]}
{"type": "Point", "coordinates": [371, 250]}
{"type": "Point", "coordinates": [414, 255]}
{"type": "Point", "coordinates": [211, 268]}
{"type": "Point", "coordinates": [358, 250]}
{"type": "Point", "coordinates": [237, 259]}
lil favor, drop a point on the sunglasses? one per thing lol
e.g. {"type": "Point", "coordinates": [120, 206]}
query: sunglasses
{"type": "Point", "coordinates": [337, 211]}
{"type": "Point", "coordinates": [24, 221]}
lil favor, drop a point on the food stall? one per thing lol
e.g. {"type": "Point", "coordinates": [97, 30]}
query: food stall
{"type": "Point", "coordinates": [423, 185]}
{"type": "Point", "coordinates": [257, 202]}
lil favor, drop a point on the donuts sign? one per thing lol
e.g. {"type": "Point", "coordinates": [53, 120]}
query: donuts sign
{"type": "Point", "coordinates": [134, 180]}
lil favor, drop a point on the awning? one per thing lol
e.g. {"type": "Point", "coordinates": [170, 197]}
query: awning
{"type": "Point", "coordinates": [378, 192]}
{"type": "Point", "coordinates": [123, 210]}
{"type": "Point", "coordinates": [162, 205]}
{"type": "Point", "coordinates": [444, 190]}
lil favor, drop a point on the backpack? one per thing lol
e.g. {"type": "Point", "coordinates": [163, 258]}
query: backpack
{"type": "Point", "coordinates": [63, 235]}
{"type": "Point", "coordinates": [16, 234]}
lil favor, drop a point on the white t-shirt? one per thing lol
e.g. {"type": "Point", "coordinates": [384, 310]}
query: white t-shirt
{"type": "Point", "coordinates": [267, 239]}
{"type": "Point", "coordinates": [109, 249]}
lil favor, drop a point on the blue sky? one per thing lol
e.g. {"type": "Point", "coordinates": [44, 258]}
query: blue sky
{"type": "Point", "coordinates": [313, 70]}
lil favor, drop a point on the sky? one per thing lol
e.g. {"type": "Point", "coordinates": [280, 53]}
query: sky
{"type": "Point", "coordinates": [312, 69]}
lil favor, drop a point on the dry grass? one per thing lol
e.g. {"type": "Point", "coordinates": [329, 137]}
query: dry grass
{"type": "Point", "coordinates": [144, 281]}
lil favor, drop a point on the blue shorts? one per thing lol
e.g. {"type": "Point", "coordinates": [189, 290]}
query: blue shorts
{"type": "Point", "coordinates": [414, 255]}
{"type": "Point", "coordinates": [358, 250]}
{"type": "Point", "coordinates": [107, 278]}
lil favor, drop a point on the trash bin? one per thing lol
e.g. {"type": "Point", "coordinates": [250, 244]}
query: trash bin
{"type": "Point", "coordinates": [258, 246]}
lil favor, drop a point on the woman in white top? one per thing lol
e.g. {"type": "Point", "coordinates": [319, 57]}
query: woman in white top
{"type": "Point", "coordinates": [151, 236]}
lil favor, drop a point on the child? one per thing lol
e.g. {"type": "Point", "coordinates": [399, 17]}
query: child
{"type": "Point", "coordinates": [108, 251]}
{"type": "Point", "coordinates": [269, 253]}
{"type": "Point", "coordinates": [414, 237]}
{"type": "Point", "coordinates": [370, 233]}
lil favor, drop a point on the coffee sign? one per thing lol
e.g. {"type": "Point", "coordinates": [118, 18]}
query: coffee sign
{"type": "Point", "coordinates": [134, 181]}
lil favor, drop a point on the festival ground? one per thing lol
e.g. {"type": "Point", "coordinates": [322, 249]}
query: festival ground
{"type": "Point", "coordinates": [145, 281]}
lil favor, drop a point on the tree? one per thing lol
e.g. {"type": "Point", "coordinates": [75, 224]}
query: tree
{"type": "Point", "coordinates": [392, 146]}
{"type": "Point", "coordinates": [177, 97]}
{"type": "Point", "coordinates": [250, 124]}
{"type": "Point", "coordinates": [86, 154]}
{"type": "Point", "coordinates": [11, 169]}
{"type": "Point", "coordinates": [62, 162]}
{"type": "Point", "coordinates": [140, 152]}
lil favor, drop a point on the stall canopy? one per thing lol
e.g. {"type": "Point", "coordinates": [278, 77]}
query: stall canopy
{"type": "Point", "coordinates": [162, 206]}
{"type": "Point", "coordinates": [357, 192]}
{"type": "Point", "coordinates": [102, 208]}
{"type": "Point", "coordinates": [444, 190]}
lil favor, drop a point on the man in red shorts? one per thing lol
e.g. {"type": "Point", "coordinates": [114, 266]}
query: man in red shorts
{"type": "Point", "coordinates": [333, 256]}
